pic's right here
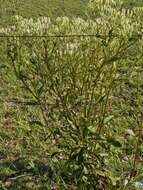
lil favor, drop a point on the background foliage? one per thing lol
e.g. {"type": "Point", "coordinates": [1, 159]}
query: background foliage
{"type": "Point", "coordinates": [35, 8]}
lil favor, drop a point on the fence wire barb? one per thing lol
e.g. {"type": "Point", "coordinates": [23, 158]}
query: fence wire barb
{"type": "Point", "coordinates": [69, 36]}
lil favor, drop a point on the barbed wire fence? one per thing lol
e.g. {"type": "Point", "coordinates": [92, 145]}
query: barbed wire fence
{"type": "Point", "coordinates": [139, 35]}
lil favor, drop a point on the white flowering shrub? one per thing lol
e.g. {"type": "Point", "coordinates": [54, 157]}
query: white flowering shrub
{"type": "Point", "coordinates": [104, 16]}
{"type": "Point", "coordinates": [78, 83]}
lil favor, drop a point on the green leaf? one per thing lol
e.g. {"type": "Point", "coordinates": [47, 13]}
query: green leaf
{"type": "Point", "coordinates": [107, 119]}
{"type": "Point", "coordinates": [114, 180]}
{"type": "Point", "coordinates": [40, 90]}
{"type": "Point", "coordinates": [36, 122]}
{"type": "Point", "coordinates": [71, 124]}
{"type": "Point", "coordinates": [84, 179]}
{"type": "Point", "coordinates": [114, 142]}
{"type": "Point", "coordinates": [92, 129]}
{"type": "Point", "coordinates": [81, 156]}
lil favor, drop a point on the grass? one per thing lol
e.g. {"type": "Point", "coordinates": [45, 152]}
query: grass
{"type": "Point", "coordinates": [134, 2]}
{"type": "Point", "coordinates": [36, 8]}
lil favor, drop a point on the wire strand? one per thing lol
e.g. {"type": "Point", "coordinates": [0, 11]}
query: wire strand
{"type": "Point", "coordinates": [68, 36]}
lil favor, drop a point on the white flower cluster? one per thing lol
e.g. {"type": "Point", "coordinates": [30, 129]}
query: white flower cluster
{"type": "Point", "coordinates": [107, 15]}
{"type": "Point", "coordinates": [113, 16]}
{"type": "Point", "coordinates": [104, 16]}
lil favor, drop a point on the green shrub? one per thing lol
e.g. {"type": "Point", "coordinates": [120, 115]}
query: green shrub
{"type": "Point", "coordinates": [83, 88]}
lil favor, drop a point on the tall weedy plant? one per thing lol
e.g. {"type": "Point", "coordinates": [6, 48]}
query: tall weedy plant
{"type": "Point", "coordinates": [73, 80]}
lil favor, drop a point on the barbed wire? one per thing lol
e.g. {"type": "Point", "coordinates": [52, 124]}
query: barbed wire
{"type": "Point", "coordinates": [69, 36]}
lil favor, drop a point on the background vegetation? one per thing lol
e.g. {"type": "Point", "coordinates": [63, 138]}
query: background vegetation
{"type": "Point", "coordinates": [35, 8]}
